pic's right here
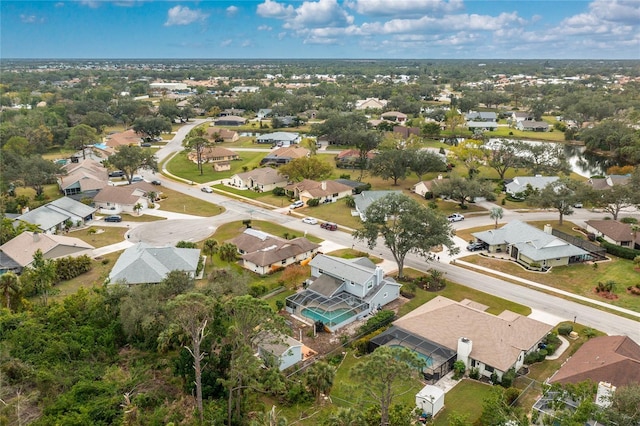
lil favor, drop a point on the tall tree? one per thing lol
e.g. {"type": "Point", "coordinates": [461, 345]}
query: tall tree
{"type": "Point", "coordinates": [454, 120]}
{"type": "Point", "coordinates": [9, 285]}
{"type": "Point", "coordinates": [560, 195]}
{"type": "Point", "coordinates": [306, 168]}
{"type": "Point", "coordinates": [191, 312]}
{"type": "Point", "coordinates": [461, 190]}
{"type": "Point", "coordinates": [470, 154]}
{"type": "Point", "coordinates": [625, 407]}
{"type": "Point", "coordinates": [131, 158]}
{"type": "Point", "coordinates": [210, 247]}
{"type": "Point", "coordinates": [36, 172]}
{"type": "Point", "coordinates": [614, 200]}
{"type": "Point", "coordinates": [345, 417]}
{"type": "Point", "coordinates": [502, 156]}
{"type": "Point", "coordinates": [423, 161]}
{"type": "Point", "coordinates": [391, 164]}
{"type": "Point", "coordinates": [496, 214]}
{"type": "Point", "coordinates": [319, 379]}
{"type": "Point", "coordinates": [80, 136]}
{"type": "Point", "coordinates": [151, 127]}
{"type": "Point", "coordinates": [197, 141]}
{"type": "Point", "coordinates": [365, 141]}
{"type": "Point", "coordinates": [41, 274]}
{"type": "Point", "coordinates": [388, 373]}
{"type": "Point", "coordinates": [543, 158]}
{"type": "Point", "coordinates": [405, 226]}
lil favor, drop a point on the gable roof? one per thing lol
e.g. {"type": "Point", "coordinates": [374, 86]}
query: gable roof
{"type": "Point", "coordinates": [355, 270]}
{"type": "Point", "coordinates": [263, 249]}
{"type": "Point", "coordinates": [142, 263]}
{"type": "Point", "coordinates": [72, 206]}
{"type": "Point", "coordinates": [263, 175]}
{"type": "Point", "coordinates": [316, 190]}
{"type": "Point", "coordinates": [123, 194]}
{"type": "Point", "coordinates": [365, 198]}
{"type": "Point", "coordinates": [277, 346]}
{"type": "Point", "coordinates": [293, 151]}
{"type": "Point", "coordinates": [613, 229]}
{"type": "Point", "coordinates": [56, 212]}
{"type": "Point", "coordinates": [497, 341]}
{"type": "Point", "coordinates": [519, 183]}
{"type": "Point", "coordinates": [532, 242]}
{"type": "Point", "coordinates": [128, 137]}
{"type": "Point", "coordinates": [22, 248]}
{"type": "Point", "coordinates": [278, 136]}
{"type": "Point", "coordinates": [613, 359]}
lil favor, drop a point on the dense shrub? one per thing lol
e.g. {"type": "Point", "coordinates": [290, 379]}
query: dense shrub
{"type": "Point", "coordinates": [257, 290]}
{"type": "Point", "coordinates": [623, 252]}
{"type": "Point", "coordinates": [379, 320]}
{"type": "Point", "coordinates": [508, 378]}
{"type": "Point", "coordinates": [314, 202]}
{"type": "Point", "coordinates": [565, 329]}
{"type": "Point", "coordinates": [631, 220]}
{"type": "Point", "coordinates": [71, 267]}
{"type": "Point", "coordinates": [474, 373]}
{"type": "Point", "coordinates": [511, 394]}
{"type": "Point", "coordinates": [458, 369]}
{"type": "Point", "coordinates": [537, 356]}
{"type": "Point", "coordinates": [362, 346]}
{"type": "Point", "coordinates": [278, 192]}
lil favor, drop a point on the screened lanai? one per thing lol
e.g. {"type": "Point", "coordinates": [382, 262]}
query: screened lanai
{"type": "Point", "coordinates": [439, 359]}
{"type": "Point", "coordinates": [334, 312]}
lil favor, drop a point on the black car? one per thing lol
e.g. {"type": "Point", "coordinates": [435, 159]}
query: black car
{"type": "Point", "coordinates": [476, 246]}
{"type": "Point", "coordinates": [113, 218]}
{"type": "Point", "coordinates": [156, 182]}
{"type": "Point", "coordinates": [117, 173]}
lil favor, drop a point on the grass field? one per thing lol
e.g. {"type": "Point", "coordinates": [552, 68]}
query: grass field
{"type": "Point", "coordinates": [174, 201]}
{"type": "Point", "coordinates": [180, 166]}
{"type": "Point", "coordinates": [465, 399]}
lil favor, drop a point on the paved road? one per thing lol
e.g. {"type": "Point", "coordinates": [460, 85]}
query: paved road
{"type": "Point", "coordinates": [178, 229]}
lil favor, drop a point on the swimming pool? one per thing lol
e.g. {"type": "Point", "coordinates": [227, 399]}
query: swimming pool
{"type": "Point", "coordinates": [427, 359]}
{"type": "Point", "coordinates": [329, 318]}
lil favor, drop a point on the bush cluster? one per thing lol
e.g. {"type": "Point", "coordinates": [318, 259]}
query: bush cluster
{"type": "Point", "coordinates": [565, 329]}
{"type": "Point", "coordinates": [70, 267]}
{"type": "Point", "coordinates": [376, 322]}
{"type": "Point", "coordinates": [623, 252]}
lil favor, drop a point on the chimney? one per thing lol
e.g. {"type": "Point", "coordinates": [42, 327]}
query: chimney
{"type": "Point", "coordinates": [464, 350]}
{"type": "Point", "coordinates": [547, 229]}
{"type": "Point", "coordinates": [324, 185]}
{"type": "Point", "coordinates": [379, 275]}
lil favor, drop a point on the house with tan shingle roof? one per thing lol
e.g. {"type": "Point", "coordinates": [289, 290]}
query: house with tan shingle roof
{"type": "Point", "coordinates": [219, 156]}
{"type": "Point", "coordinates": [611, 359]}
{"type": "Point", "coordinates": [220, 134]}
{"type": "Point", "coordinates": [327, 191]}
{"type": "Point", "coordinates": [614, 232]}
{"type": "Point", "coordinates": [284, 155]}
{"type": "Point", "coordinates": [261, 179]}
{"type": "Point", "coordinates": [490, 343]}
{"type": "Point", "coordinates": [86, 178]}
{"type": "Point", "coordinates": [263, 253]}
{"type": "Point", "coordinates": [123, 198]}
{"type": "Point", "coordinates": [20, 250]}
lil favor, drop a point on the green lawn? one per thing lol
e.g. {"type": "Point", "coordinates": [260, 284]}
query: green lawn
{"type": "Point", "coordinates": [174, 201]}
{"type": "Point", "coordinates": [233, 229]}
{"type": "Point", "coordinates": [458, 292]}
{"type": "Point", "coordinates": [465, 399]}
{"type": "Point", "coordinates": [99, 236]}
{"type": "Point", "coordinates": [95, 277]}
{"type": "Point", "coordinates": [180, 166]}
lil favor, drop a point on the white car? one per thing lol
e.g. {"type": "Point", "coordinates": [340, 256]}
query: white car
{"type": "Point", "coordinates": [310, 221]}
{"type": "Point", "coordinates": [456, 217]}
{"type": "Point", "coordinates": [206, 189]}
{"type": "Point", "coordinates": [297, 204]}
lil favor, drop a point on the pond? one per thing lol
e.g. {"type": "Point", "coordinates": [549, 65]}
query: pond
{"type": "Point", "coordinates": [583, 163]}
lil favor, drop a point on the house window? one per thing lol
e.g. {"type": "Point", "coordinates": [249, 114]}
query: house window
{"type": "Point", "coordinates": [370, 284]}
{"type": "Point", "coordinates": [320, 271]}
{"type": "Point", "coordinates": [488, 368]}
{"type": "Point", "coordinates": [284, 261]}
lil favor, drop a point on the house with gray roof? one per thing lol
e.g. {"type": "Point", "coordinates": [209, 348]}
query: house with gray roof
{"type": "Point", "coordinates": [481, 116]}
{"type": "Point", "coordinates": [279, 138]}
{"type": "Point", "coordinates": [532, 126]}
{"type": "Point", "coordinates": [144, 264]}
{"type": "Point", "coordinates": [482, 125]}
{"type": "Point", "coordinates": [283, 351]}
{"type": "Point", "coordinates": [365, 198]}
{"type": "Point", "coordinates": [519, 184]}
{"type": "Point", "coordinates": [53, 216]}
{"type": "Point", "coordinates": [341, 291]}
{"type": "Point", "coordinates": [264, 253]}
{"type": "Point", "coordinates": [530, 246]}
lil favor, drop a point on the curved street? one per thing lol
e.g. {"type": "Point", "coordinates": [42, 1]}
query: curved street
{"type": "Point", "coordinates": [553, 308]}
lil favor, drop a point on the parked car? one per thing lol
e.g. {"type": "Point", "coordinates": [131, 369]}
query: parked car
{"type": "Point", "coordinates": [456, 217]}
{"type": "Point", "coordinates": [578, 205]}
{"type": "Point", "coordinates": [329, 226]}
{"type": "Point", "coordinates": [476, 246]}
{"type": "Point", "coordinates": [297, 204]}
{"type": "Point", "coordinates": [145, 145]}
{"type": "Point", "coordinates": [116, 173]}
{"type": "Point", "coordinates": [310, 221]}
{"type": "Point", "coordinates": [113, 218]}
{"type": "Point", "coordinates": [206, 189]}
{"type": "Point", "coordinates": [136, 179]}
{"type": "Point", "coordinates": [156, 182]}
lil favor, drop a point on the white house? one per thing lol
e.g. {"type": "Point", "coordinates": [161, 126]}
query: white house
{"type": "Point", "coordinates": [262, 179]}
{"type": "Point", "coordinates": [519, 184]}
{"type": "Point", "coordinates": [54, 216]}
{"type": "Point", "coordinates": [327, 191]}
{"type": "Point", "coordinates": [365, 198]}
{"type": "Point", "coordinates": [284, 351]}
{"type": "Point", "coordinates": [279, 138]}
{"type": "Point", "coordinates": [341, 291]}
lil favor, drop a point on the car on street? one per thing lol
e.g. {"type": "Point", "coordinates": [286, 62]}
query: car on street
{"type": "Point", "coordinates": [206, 189]}
{"type": "Point", "coordinates": [329, 226]}
{"type": "Point", "coordinates": [475, 246]}
{"type": "Point", "coordinates": [297, 204]}
{"type": "Point", "coordinates": [310, 221]}
{"type": "Point", "coordinates": [116, 173]}
{"type": "Point", "coordinates": [578, 205]}
{"type": "Point", "coordinates": [113, 218]}
{"type": "Point", "coordinates": [456, 217]}
{"type": "Point", "coordinates": [156, 182]}
{"type": "Point", "coordinates": [136, 179]}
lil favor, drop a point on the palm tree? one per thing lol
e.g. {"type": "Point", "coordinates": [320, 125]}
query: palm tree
{"type": "Point", "coordinates": [496, 214]}
{"type": "Point", "coordinates": [345, 417]}
{"type": "Point", "coordinates": [9, 284]}
{"type": "Point", "coordinates": [634, 231]}
{"type": "Point", "coordinates": [210, 248]}
{"type": "Point", "coordinates": [319, 379]}
{"type": "Point", "coordinates": [137, 208]}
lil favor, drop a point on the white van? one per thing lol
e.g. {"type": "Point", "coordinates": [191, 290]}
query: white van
{"type": "Point", "coordinates": [297, 204]}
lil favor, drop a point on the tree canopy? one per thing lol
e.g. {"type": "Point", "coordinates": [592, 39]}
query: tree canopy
{"type": "Point", "coordinates": [130, 159]}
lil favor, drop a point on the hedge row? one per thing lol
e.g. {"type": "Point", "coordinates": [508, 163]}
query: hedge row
{"type": "Point", "coordinates": [616, 250]}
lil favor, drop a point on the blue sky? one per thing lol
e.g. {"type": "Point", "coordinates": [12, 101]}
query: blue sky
{"type": "Point", "coordinates": [433, 29]}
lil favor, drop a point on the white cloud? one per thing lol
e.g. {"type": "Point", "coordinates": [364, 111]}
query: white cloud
{"type": "Point", "coordinates": [226, 43]}
{"type": "Point", "coordinates": [182, 15]}
{"type": "Point", "coordinates": [264, 28]}
{"type": "Point", "coordinates": [322, 13]}
{"type": "Point", "coordinates": [616, 10]}
{"type": "Point", "coordinates": [247, 43]}
{"type": "Point", "coordinates": [273, 9]}
{"type": "Point", "coordinates": [93, 4]}
{"type": "Point", "coordinates": [30, 19]}
{"type": "Point", "coordinates": [404, 8]}
{"type": "Point", "coordinates": [232, 11]}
